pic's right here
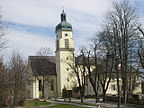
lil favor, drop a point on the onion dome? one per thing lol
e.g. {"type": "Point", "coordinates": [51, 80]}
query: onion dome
{"type": "Point", "coordinates": [63, 25]}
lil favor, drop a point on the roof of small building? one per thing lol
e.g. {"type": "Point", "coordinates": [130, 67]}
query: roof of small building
{"type": "Point", "coordinates": [43, 65]}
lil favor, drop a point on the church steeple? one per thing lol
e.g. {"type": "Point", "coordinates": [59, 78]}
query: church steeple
{"type": "Point", "coordinates": [64, 52]}
{"type": "Point", "coordinates": [63, 16]}
{"type": "Point", "coordinates": [63, 25]}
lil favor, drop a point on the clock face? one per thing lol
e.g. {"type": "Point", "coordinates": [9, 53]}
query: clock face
{"type": "Point", "coordinates": [66, 34]}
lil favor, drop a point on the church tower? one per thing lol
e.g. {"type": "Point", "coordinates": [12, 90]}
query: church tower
{"type": "Point", "coordinates": [64, 52]}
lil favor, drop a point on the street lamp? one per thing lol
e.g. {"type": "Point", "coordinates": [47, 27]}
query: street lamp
{"type": "Point", "coordinates": [118, 68]}
{"type": "Point", "coordinates": [12, 98]}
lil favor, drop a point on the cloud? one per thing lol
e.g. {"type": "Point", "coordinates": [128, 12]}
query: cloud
{"type": "Point", "coordinates": [32, 22]}
{"type": "Point", "coordinates": [27, 43]}
{"type": "Point", "coordinates": [38, 30]}
{"type": "Point", "coordinates": [46, 12]}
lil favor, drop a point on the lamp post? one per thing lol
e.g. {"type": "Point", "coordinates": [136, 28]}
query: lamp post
{"type": "Point", "coordinates": [12, 98]}
{"type": "Point", "coordinates": [118, 68]}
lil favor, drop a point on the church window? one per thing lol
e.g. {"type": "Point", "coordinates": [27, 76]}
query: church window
{"type": "Point", "coordinates": [66, 43]}
{"type": "Point", "coordinates": [66, 34]}
{"type": "Point", "coordinates": [40, 85]}
{"type": "Point", "coordinates": [57, 44]}
{"type": "Point", "coordinates": [114, 87]}
{"type": "Point", "coordinates": [52, 84]}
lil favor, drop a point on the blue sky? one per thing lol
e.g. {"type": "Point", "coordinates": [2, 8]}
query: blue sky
{"type": "Point", "coordinates": [31, 23]}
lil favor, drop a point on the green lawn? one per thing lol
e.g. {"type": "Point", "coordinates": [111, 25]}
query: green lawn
{"type": "Point", "coordinates": [65, 106]}
{"type": "Point", "coordinates": [30, 103]}
{"type": "Point", "coordinates": [35, 103]}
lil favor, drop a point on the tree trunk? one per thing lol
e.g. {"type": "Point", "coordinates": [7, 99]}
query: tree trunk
{"type": "Point", "coordinates": [124, 88]}
{"type": "Point", "coordinates": [104, 96]}
{"type": "Point", "coordinates": [125, 97]}
{"type": "Point", "coordinates": [118, 90]}
{"type": "Point", "coordinates": [96, 97]}
{"type": "Point", "coordinates": [82, 98]}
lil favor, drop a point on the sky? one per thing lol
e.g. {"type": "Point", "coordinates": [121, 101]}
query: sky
{"type": "Point", "coordinates": [31, 23]}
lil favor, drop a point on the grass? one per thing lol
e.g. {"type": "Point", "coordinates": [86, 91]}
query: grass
{"type": "Point", "coordinates": [106, 107]}
{"type": "Point", "coordinates": [80, 104]}
{"type": "Point", "coordinates": [77, 103]}
{"type": "Point", "coordinates": [65, 106]}
{"type": "Point", "coordinates": [37, 103]}
{"type": "Point", "coordinates": [30, 103]}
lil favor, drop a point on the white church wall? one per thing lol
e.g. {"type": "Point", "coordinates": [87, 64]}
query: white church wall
{"type": "Point", "coordinates": [62, 56]}
{"type": "Point", "coordinates": [49, 92]}
{"type": "Point", "coordinates": [35, 89]}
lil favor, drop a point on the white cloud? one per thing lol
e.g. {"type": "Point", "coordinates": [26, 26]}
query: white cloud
{"type": "Point", "coordinates": [46, 12]}
{"type": "Point", "coordinates": [84, 15]}
{"type": "Point", "coordinates": [26, 43]}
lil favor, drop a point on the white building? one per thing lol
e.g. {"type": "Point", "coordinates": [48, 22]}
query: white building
{"type": "Point", "coordinates": [58, 73]}
{"type": "Point", "coordinates": [51, 73]}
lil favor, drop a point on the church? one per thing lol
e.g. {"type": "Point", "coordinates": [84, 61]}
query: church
{"type": "Point", "coordinates": [50, 74]}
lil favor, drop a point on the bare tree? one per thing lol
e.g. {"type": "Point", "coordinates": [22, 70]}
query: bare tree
{"type": "Point", "coordinates": [106, 62]}
{"type": "Point", "coordinates": [133, 80]}
{"type": "Point", "coordinates": [17, 68]}
{"type": "Point", "coordinates": [106, 68]}
{"type": "Point", "coordinates": [44, 51]}
{"type": "Point", "coordinates": [3, 40]}
{"type": "Point", "coordinates": [141, 48]}
{"type": "Point", "coordinates": [121, 22]}
{"type": "Point", "coordinates": [78, 67]}
{"type": "Point", "coordinates": [5, 90]}
{"type": "Point", "coordinates": [4, 75]}
{"type": "Point", "coordinates": [91, 58]}
{"type": "Point", "coordinates": [142, 32]}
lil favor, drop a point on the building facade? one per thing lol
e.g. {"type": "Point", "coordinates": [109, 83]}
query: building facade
{"type": "Point", "coordinates": [58, 74]}
{"type": "Point", "coordinates": [64, 52]}
{"type": "Point", "coordinates": [50, 74]}
{"type": "Point", "coordinates": [42, 77]}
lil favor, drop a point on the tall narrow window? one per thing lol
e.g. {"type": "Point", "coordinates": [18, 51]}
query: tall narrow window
{"type": "Point", "coordinates": [52, 84]}
{"type": "Point", "coordinates": [66, 43]}
{"type": "Point", "coordinates": [113, 87]}
{"type": "Point", "coordinates": [40, 85]}
{"type": "Point", "coordinates": [57, 44]}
